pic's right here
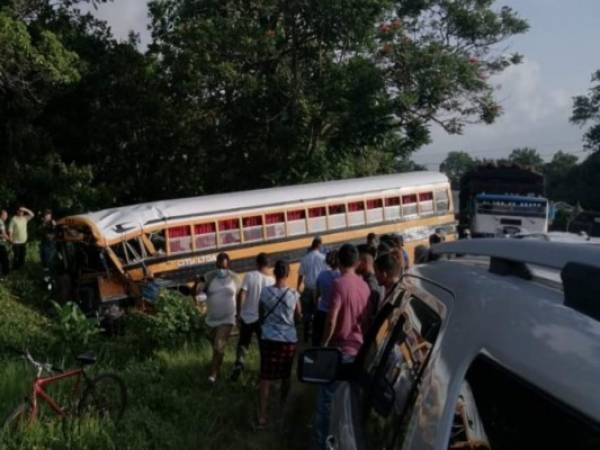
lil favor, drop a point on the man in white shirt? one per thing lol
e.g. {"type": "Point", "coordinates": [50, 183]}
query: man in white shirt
{"type": "Point", "coordinates": [17, 230]}
{"type": "Point", "coordinates": [311, 265]}
{"type": "Point", "coordinates": [248, 316]}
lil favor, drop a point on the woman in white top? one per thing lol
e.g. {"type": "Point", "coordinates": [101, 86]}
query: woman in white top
{"type": "Point", "coordinates": [221, 288]}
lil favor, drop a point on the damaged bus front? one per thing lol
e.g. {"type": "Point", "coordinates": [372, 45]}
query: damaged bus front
{"type": "Point", "coordinates": [87, 270]}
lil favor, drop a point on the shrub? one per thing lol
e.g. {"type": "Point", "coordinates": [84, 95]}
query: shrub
{"type": "Point", "coordinates": [74, 330]}
{"type": "Point", "coordinates": [175, 319]}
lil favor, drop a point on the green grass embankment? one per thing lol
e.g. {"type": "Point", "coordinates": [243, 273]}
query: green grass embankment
{"type": "Point", "coordinates": [164, 361]}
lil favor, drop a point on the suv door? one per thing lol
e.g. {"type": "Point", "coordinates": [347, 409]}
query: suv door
{"type": "Point", "coordinates": [371, 411]}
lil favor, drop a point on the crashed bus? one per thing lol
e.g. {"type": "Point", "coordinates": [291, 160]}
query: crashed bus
{"type": "Point", "coordinates": [105, 257]}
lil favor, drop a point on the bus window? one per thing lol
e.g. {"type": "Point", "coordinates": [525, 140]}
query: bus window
{"type": "Point", "coordinates": [296, 222]}
{"type": "Point", "coordinates": [392, 208]}
{"type": "Point", "coordinates": [409, 205]}
{"type": "Point", "coordinates": [180, 239]}
{"type": "Point", "coordinates": [159, 241]}
{"type": "Point", "coordinates": [337, 216]}
{"type": "Point", "coordinates": [317, 219]}
{"type": "Point", "coordinates": [253, 228]}
{"type": "Point", "coordinates": [356, 213]}
{"type": "Point", "coordinates": [374, 210]}
{"type": "Point", "coordinates": [442, 205]}
{"type": "Point", "coordinates": [205, 235]}
{"type": "Point", "coordinates": [426, 203]}
{"type": "Point", "coordinates": [135, 250]}
{"type": "Point", "coordinates": [119, 250]}
{"type": "Point", "coordinates": [229, 232]}
{"type": "Point", "coordinates": [275, 225]}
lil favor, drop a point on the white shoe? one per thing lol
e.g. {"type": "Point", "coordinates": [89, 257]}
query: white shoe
{"type": "Point", "coordinates": [212, 379]}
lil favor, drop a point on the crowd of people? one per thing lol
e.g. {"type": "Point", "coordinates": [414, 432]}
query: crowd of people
{"type": "Point", "coordinates": [336, 298]}
{"type": "Point", "coordinates": [14, 235]}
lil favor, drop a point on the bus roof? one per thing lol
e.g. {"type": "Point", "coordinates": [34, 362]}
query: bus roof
{"type": "Point", "coordinates": [112, 223]}
{"type": "Point", "coordinates": [508, 197]}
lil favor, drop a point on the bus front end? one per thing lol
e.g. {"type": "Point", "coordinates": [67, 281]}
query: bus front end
{"type": "Point", "coordinates": [84, 270]}
{"type": "Point", "coordinates": [506, 215]}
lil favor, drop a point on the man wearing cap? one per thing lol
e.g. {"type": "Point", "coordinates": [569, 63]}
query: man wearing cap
{"type": "Point", "coordinates": [311, 265]}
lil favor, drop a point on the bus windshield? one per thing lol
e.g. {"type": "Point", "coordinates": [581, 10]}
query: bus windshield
{"type": "Point", "coordinates": [511, 206]}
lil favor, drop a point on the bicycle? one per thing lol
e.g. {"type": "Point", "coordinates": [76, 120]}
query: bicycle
{"type": "Point", "coordinates": [104, 395]}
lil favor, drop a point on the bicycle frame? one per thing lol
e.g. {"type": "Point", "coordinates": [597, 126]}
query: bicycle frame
{"type": "Point", "coordinates": [41, 382]}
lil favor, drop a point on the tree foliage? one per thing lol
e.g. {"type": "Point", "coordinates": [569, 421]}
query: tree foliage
{"type": "Point", "coordinates": [556, 173]}
{"type": "Point", "coordinates": [527, 157]}
{"type": "Point", "coordinates": [32, 66]}
{"type": "Point", "coordinates": [580, 184]}
{"type": "Point", "coordinates": [456, 165]}
{"type": "Point", "coordinates": [586, 109]}
{"type": "Point", "coordinates": [296, 90]}
{"type": "Point", "coordinates": [235, 94]}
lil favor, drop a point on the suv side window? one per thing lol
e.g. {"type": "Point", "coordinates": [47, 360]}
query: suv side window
{"type": "Point", "coordinates": [394, 366]}
{"type": "Point", "coordinates": [499, 411]}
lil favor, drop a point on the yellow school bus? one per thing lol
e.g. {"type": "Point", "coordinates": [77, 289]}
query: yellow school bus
{"type": "Point", "coordinates": [106, 256]}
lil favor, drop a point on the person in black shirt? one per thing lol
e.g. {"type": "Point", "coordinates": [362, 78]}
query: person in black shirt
{"type": "Point", "coordinates": [4, 244]}
{"type": "Point", "coordinates": [366, 269]}
{"type": "Point", "coordinates": [47, 244]}
{"type": "Point", "coordinates": [388, 270]}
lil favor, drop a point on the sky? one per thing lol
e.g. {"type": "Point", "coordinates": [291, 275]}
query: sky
{"type": "Point", "coordinates": [561, 51]}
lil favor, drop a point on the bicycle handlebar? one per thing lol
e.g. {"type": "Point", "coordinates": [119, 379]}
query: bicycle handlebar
{"type": "Point", "coordinates": [40, 367]}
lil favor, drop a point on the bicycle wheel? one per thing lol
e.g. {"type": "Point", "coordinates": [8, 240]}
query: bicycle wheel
{"type": "Point", "coordinates": [105, 396]}
{"type": "Point", "coordinates": [17, 417]}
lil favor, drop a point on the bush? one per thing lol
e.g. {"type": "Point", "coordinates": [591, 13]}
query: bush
{"type": "Point", "coordinates": [74, 330]}
{"type": "Point", "coordinates": [175, 320]}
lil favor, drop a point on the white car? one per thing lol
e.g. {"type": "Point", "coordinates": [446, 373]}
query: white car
{"type": "Point", "coordinates": [476, 353]}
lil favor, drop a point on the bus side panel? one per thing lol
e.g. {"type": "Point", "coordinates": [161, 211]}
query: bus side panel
{"type": "Point", "coordinates": [292, 250]}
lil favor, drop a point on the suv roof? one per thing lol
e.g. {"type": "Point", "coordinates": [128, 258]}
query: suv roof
{"type": "Point", "coordinates": [521, 323]}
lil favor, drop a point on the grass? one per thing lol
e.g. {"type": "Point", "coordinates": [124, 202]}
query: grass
{"type": "Point", "coordinates": [170, 403]}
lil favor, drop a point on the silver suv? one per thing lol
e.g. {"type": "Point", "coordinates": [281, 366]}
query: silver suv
{"type": "Point", "coordinates": [498, 348]}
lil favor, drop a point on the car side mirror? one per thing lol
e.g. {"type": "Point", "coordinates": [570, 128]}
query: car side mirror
{"type": "Point", "coordinates": [319, 365]}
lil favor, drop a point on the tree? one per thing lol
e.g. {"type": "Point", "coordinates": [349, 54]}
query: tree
{"type": "Point", "coordinates": [556, 173]}
{"type": "Point", "coordinates": [408, 165]}
{"type": "Point", "coordinates": [292, 91]}
{"type": "Point", "coordinates": [582, 181]}
{"type": "Point", "coordinates": [33, 63]}
{"type": "Point", "coordinates": [527, 157]}
{"type": "Point", "coordinates": [40, 60]}
{"type": "Point", "coordinates": [586, 108]}
{"type": "Point", "coordinates": [438, 56]}
{"type": "Point", "coordinates": [234, 94]}
{"type": "Point", "coordinates": [456, 165]}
